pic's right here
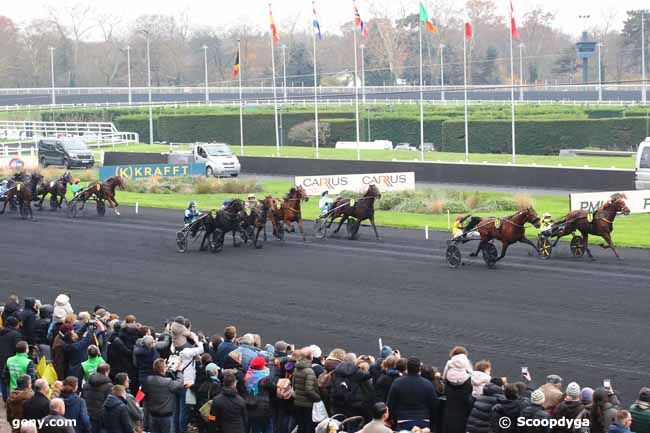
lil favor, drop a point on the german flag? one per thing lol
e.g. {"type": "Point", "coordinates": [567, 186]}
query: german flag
{"type": "Point", "coordinates": [235, 68]}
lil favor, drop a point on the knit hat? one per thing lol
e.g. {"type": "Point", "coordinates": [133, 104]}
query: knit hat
{"type": "Point", "coordinates": [386, 351]}
{"type": "Point", "coordinates": [65, 328]}
{"type": "Point", "coordinates": [553, 379]}
{"type": "Point", "coordinates": [281, 346]}
{"type": "Point", "coordinates": [573, 390]}
{"type": "Point", "coordinates": [258, 363]}
{"type": "Point", "coordinates": [644, 395]}
{"type": "Point", "coordinates": [316, 352]}
{"type": "Point", "coordinates": [586, 395]}
{"type": "Point", "coordinates": [537, 397]}
{"type": "Point", "coordinates": [211, 369]}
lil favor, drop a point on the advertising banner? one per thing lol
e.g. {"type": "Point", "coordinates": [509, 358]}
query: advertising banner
{"type": "Point", "coordinates": [139, 171]}
{"type": "Point", "coordinates": [637, 201]}
{"type": "Point", "coordinates": [336, 183]}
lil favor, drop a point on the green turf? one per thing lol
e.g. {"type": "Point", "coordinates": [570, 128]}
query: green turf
{"type": "Point", "coordinates": [403, 155]}
{"type": "Point", "coordinates": [627, 231]}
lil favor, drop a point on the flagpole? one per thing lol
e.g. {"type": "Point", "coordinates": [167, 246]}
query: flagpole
{"type": "Point", "coordinates": [442, 73]}
{"type": "Point", "coordinates": [356, 93]}
{"type": "Point", "coordinates": [315, 90]}
{"type": "Point", "coordinates": [421, 96]}
{"type": "Point", "coordinates": [275, 96]}
{"type": "Point", "coordinates": [643, 84]}
{"type": "Point", "coordinates": [512, 96]}
{"type": "Point", "coordinates": [241, 107]}
{"type": "Point", "coordinates": [465, 93]}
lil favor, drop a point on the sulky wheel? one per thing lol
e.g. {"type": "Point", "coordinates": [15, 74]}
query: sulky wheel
{"type": "Point", "coordinates": [320, 228]}
{"type": "Point", "coordinates": [490, 254]}
{"type": "Point", "coordinates": [101, 208]}
{"type": "Point", "coordinates": [72, 209]}
{"type": "Point", "coordinates": [544, 247]}
{"type": "Point", "coordinates": [353, 229]}
{"type": "Point", "coordinates": [577, 246]}
{"type": "Point", "coordinates": [453, 256]}
{"type": "Point", "coordinates": [181, 241]}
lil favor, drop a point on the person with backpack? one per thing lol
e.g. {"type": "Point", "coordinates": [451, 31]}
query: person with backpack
{"type": "Point", "coordinates": [258, 396]}
{"type": "Point", "coordinates": [282, 401]}
{"type": "Point", "coordinates": [305, 391]}
{"type": "Point", "coordinates": [351, 392]}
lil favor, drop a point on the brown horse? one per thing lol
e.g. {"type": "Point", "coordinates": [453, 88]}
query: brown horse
{"type": "Point", "coordinates": [57, 190]}
{"type": "Point", "coordinates": [256, 220]}
{"type": "Point", "coordinates": [22, 193]}
{"type": "Point", "coordinates": [290, 209]}
{"type": "Point", "coordinates": [104, 191]}
{"type": "Point", "coordinates": [598, 223]}
{"type": "Point", "coordinates": [362, 209]}
{"type": "Point", "coordinates": [508, 230]}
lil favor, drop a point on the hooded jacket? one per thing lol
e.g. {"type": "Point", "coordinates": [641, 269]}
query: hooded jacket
{"type": "Point", "coordinates": [479, 380]}
{"type": "Point", "coordinates": [228, 413]}
{"type": "Point", "coordinates": [75, 408]}
{"type": "Point", "coordinates": [481, 414]}
{"type": "Point", "coordinates": [179, 335]}
{"type": "Point", "coordinates": [143, 358]}
{"type": "Point", "coordinates": [457, 406]}
{"type": "Point", "coordinates": [95, 392]}
{"type": "Point", "coordinates": [119, 355]}
{"type": "Point", "coordinates": [116, 415]}
{"type": "Point", "coordinates": [43, 324]}
{"type": "Point", "coordinates": [28, 317]}
{"type": "Point", "coordinates": [457, 370]}
{"type": "Point", "coordinates": [9, 337]}
{"type": "Point", "coordinates": [510, 409]}
{"type": "Point", "coordinates": [640, 417]}
{"type": "Point", "coordinates": [569, 409]}
{"type": "Point", "coordinates": [534, 411]}
{"type": "Point", "coordinates": [351, 392]}
{"type": "Point", "coordinates": [383, 384]}
{"type": "Point", "coordinates": [305, 387]}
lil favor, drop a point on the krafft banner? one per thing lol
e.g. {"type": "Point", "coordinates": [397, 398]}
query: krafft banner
{"type": "Point", "coordinates": [337, 183]}
{"type": "Point", "coordinates": [139, 171]}
{"type": "Point", "coordinates": [19, 162]}
{"type": "Point", "coordinates": [637, 201]}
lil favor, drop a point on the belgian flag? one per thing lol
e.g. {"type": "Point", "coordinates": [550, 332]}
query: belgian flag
{"type": "Point", "coordinates": [235, 68]}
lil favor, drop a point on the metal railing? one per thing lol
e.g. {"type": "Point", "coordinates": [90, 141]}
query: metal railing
{"type": "Point", "coordinates": [95, 134]}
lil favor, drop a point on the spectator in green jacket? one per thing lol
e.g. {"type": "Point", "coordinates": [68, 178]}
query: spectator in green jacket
{"type": "Point", "coordinates": [94, 360]}
{"type": "Point", "coordinates": [305, 388]}
{"type": "Point", "coordinates": [18, 365]}
{"type": "Point", "coordinates": [640, 411]}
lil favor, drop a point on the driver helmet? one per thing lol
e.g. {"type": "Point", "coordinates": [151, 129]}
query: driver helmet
{"type": "Point", "coordinates": [324, 193]}
{"type": "Point", "coordinates": [191, 204]}
{"type": "Point", "coordinates": [76, 180]}
{"type": "Point", "coordinates": [546, 216]}
{"type": "Point", "coordinates": [251, 196]}
{"type": "Point", "coordinates": [227, 202]}
{"type": "Point", "coordinates": [459, 217]}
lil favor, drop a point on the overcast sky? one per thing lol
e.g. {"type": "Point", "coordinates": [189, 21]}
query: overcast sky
{"type": "Point", "coordinates": [332, 13]}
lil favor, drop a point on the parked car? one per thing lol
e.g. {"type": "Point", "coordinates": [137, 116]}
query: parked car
{"type": "Point", "coordinates": [219, 160]}
{"type": "Point", "coordinates": [643, 165]}
{"type": "Point", "coordinates": [405, 146]}
{"type": "Point", "coordinates": [429, 147]}
{"type": "Point", "coordinates": [68, 152]}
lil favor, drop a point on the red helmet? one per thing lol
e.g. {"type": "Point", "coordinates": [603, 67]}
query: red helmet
{"type": "Point", "coordinates": [459, 217]}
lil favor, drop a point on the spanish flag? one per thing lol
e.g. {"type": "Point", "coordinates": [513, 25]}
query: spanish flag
{"type": "Point", "coordinates": [274, 28]}
{"type": "Point", "coordinates": [235, 68]}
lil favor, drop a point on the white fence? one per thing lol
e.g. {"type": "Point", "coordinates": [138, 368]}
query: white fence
{"type": "Point", "coordinates": [95, 134]}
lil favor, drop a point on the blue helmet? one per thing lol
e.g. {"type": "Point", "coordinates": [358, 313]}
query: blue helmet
{"type": "Point", "coordinates": [191, 204]}
{"type": "Point", "coordinates": [227, 202]}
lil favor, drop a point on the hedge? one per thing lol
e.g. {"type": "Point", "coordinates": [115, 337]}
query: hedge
{"type": "Point", "coordinates": [140, 124]}
{"type": "Point", "coordinates": [545, 137]}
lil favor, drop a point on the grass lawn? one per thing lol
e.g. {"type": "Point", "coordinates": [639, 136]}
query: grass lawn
{"type": "Point", "coordinates": [627, 231]}
{"type": "Point", "coordinates": [403, 155]}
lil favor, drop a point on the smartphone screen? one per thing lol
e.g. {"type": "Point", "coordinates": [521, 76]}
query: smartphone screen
{"type": "Point", "coordinates": [524, 370]}
{"type": "Point", "coordinates": [607, 383]}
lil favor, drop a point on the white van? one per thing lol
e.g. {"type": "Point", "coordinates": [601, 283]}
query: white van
{"type": "Point", "coordinates": [643, 165]}
{"type": "Point", "coordinates": [219, 160]}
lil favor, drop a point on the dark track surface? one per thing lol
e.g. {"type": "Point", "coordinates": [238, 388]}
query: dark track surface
{"type": "Point", "coordinates": [583, 320]}
{"type": "Point", "coordinates": [531, 95]}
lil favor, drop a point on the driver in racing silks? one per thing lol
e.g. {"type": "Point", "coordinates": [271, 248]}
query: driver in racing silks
{"type": "Point", "coordinates": [191, 215]}
{"type": "Point", "coordinates": [461, 228]}
{"type": "Point", "coordinates": [325, 203]}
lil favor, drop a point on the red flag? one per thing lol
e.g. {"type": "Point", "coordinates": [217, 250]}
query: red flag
{"type": "Point", "coordinates": [468, 31]}
{"type": "Point", "coordinates": [235, 69]}
{"type": "Point", "coordinates": [359, 22]}
{"type": "Point", "coordinates": [513, 24]}
{"type": "Point", "coordinates": [274, 28]}
{"type": "Point", "coordinates": [139, 396]}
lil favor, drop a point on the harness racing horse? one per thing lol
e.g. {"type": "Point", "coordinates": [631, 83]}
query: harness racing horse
{"type": "Point", "coordinates": [104, 191]}
{"type": "Point", "coordinates": [291, 212]}
{"type": "Point", "coordinates": [57, 190]}
{"type": "Point", "coordinates": [362, 209]}
{"type": "Point", "coordinates": [257, 220]}
{"type": "Point", "coordinates": [599, 223]}
{"type": "Point", "coordinates": [508, 230]}
{"type": "Point", "coordinates": [23, 192]}
{"type": "Point", "coordinates": [218, 223]}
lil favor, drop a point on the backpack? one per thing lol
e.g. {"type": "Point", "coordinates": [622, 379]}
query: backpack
{"type": "Point", "coordinates": [324, 383]}
{"type": "Point", "coordinates": [284, 389]}
{"type": "Point", "coordinates": [341, 391]}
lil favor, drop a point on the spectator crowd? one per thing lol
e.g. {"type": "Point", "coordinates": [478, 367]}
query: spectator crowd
{"type": "Point", "coordinates": [112, 374]}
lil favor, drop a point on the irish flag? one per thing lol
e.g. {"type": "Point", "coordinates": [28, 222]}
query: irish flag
{"type": "Point", "coordinates": [424, 17]}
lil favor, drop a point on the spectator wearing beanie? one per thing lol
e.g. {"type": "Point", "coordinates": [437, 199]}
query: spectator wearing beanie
{"type": "Point", "coordinates": [535, 411]}
{"type": "Point", "coordinates": [481, 414]}
{"type": "Point", "coordinates": [640, 411]}
{"type": "Point", "coordinates": [587, 397]}
{"type": "Point", "coordinates": [412, 399]}
{"type": "Point", "coordinates": [258, 396]}
{"type": "Point", "coordinates": [570, 408]}
{"type": "Point", "coordinates": [510, 407]}
{"type": "Point", "coordinates": [553, 394]}
{"type": "Point", "coordinates": [41, 327]}
{"type": "Point", "coordinates": [459, 393]}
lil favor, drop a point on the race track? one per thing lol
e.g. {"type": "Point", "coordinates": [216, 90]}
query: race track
{"type": "Point", "coordinates": [583, 320]}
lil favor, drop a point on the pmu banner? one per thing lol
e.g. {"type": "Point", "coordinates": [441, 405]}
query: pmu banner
{"type": "Point", "coordinates": [337, 183]}
{"type": "Point", "coordinates": [637, 201]}
{"type": "Point", "coordinates": [19, 162]}
{"type": "Point", "coordinates": [140, 171]}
